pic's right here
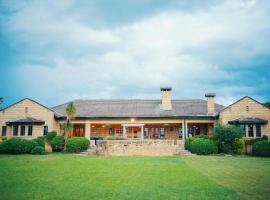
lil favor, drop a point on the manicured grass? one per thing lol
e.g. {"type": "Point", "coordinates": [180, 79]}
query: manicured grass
{"type": "Point", "coordinates": [59, 176]}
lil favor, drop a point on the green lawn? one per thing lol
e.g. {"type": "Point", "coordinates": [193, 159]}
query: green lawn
{"type": "Point", "coordinates": [58, 176]}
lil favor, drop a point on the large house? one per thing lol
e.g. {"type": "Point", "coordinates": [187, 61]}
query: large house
{"type": "Point", "coordinates": [163, 118]}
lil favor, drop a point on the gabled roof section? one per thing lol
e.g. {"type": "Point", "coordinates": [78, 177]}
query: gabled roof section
{"type": "Point", "coordinates": [24, 100]}
{"type": "Point", "coordinates": [241, 100]}
{"type": "Point", "coordinates": [140, 108]}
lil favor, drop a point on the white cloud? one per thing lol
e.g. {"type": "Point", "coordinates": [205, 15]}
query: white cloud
{"type": "Point", "coordinates": [182, 49]}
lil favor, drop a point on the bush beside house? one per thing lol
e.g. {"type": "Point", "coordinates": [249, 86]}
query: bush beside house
{"type": "Point", "coordinates": [261, 148]}
{"type": "Point", "coordinates": [39, 150]}
{"type": "Point", "coordinates": [227, 137]}
{"type": "Point", "coordinates": [77, 144]}
{"type": "Point", "coordinates": [17, 146]}
{"type": "Point", "coordinates": [203, 146]}
{"type": "Point", "coordinates": [58, 143]}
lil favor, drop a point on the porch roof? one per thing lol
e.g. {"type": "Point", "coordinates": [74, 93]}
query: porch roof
{"type": "Point", "coordinates": [138, 108]}
{"type": "Point", "coordinates": [248, 121]}
{"type": "Point", "coordinates": [25, 121]}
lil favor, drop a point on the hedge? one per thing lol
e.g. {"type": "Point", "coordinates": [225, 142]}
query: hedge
{"type": "Point", "coordinates": [261, 148]}
{"type": "Point", "coordinates": [38, 150]}
{"type": "Point", "coordinates": [202, 146]}
{"type": "Point", "coordinates": [40, 141]}
{"type": "Point", "coordinates": [58, 143]}
{"type": "Point", "coordinates": [77, 144]}
{"type": "Point", "coordinates": [17, 146]}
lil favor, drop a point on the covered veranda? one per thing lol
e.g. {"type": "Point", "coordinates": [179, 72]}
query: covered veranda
{"type": "Point", "coordinates": [143, 129]}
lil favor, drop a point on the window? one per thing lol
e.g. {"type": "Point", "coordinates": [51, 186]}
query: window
{"type": "Point", "coordinates": [45, 130]}
{"type": "Point", "coordinates": [15, 130]}
{"type": "Point", "coordinates": [250, 131]}
{"type": "Point", "coordinates": [146, 132]}
{"type": "Point", "coordinates": [180, 133]}
{"type": "Point", "coordinates": [4, 130]}
{"type": "Point", "coordinates": [22, 132]}
{"type": "Point", "coordinates": [258, 130]}
{"type": "Point", "coordinates": [243, 130]}
{"type": "Point", "coordinates": [30, 130]}
{"type": "Point", "coordinates": [111, 131]}
{"type": "Point", "coordinates": [161, 133]}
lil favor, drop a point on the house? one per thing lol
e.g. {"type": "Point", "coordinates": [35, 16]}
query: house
{"type": "Point", "coordinates": [164, 118]}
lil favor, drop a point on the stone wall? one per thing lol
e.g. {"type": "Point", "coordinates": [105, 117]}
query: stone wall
{"type": "Point", "coordinates": [136, 147]}
{"type": "Point", "coordinates": [246, 108]}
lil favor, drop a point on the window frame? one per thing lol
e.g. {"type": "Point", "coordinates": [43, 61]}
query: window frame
{"type": "Point", "coordinates": [258, 130]}
{"type": "Point", "coordinates": [250, 130]}
{"type": "Point", "coordinates": [162, 133]}
{"type": "Point", "coordinates": [45, 130]}
{"type": "Point", "coordinates": [28, 131]}
{"type": "Point", "coordinates": [15, 130]}
{"type": "Point", "coordinates": [22, 130]}
{"type": "Point", "coordinates": [4, 131]}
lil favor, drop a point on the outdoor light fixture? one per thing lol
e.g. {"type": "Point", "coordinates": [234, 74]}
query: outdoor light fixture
{"type": "Point", "coordinates": [166, 124]}
{"type": "Point", "coordinates": [132, 120]}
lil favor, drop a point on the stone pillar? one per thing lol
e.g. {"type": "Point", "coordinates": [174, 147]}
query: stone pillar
{"type": "Point", "coordinates": [87, 134]}
{"type": "Point", "coordinates": [246, 129]}
{"type": "Point", "coordinates": [186, 130]}
{"type": "Point", "coordinates": [142, 132]}
{"type": "Point", "coordinates": [124, 131]}
{"type": "Point", "coordinates": [183, 131]}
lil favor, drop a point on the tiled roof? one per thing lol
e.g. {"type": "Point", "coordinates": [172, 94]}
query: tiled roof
{"type": "Point", "coordinates": [137, 108]}
{"type": "Point", "coordinates": [25, 121]}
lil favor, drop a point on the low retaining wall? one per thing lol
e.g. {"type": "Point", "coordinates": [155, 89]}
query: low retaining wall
{"type": "Point", "coordinates": [136, 147]}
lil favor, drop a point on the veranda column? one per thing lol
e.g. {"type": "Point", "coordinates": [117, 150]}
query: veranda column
{"type": "Point", "coordinates": [142, 132]}
{"type": "Point", "coordinates": [124, 131]}
{"type": "Point", "coordinates": [87, 134]}
{"type": "Point", "coordinates": [186, 130]}
{"type": "Point", "coordinates": [183, 131]}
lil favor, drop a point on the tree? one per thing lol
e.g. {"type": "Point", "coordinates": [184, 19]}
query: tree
{"type": "Point", "coordinates": [267, 104]}
{"type": "Point", "coordinates": [226, 136]}
{"type": "Point", "coordinates": [68, 126]}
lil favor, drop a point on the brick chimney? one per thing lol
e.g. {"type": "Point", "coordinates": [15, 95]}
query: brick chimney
{"type": "Point", "coordinates": [210, 102]}
{"type": "Point", "coordinates": [166, 98]}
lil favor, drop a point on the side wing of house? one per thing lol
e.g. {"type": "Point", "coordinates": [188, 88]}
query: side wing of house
{"type": "Point", "coordinates": [252, 116]}
{"type": "Point", "coordinates": [27, 119]}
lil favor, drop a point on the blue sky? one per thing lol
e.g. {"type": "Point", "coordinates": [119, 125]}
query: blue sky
{"type": "Point", "coordinates": [57, 51]}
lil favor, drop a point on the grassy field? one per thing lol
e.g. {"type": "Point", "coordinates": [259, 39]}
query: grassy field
{"type": "Point", "coordinates": [59, 176]}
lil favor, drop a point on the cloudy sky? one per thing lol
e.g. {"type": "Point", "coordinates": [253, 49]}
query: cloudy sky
{"type": "Point", "coordinates": [56, 51]}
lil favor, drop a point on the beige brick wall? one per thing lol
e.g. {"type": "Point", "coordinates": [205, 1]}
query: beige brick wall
{"type": "Point", "coordinates": [244, 108]}
{"type": "Point", "coordinates": [28, 108]}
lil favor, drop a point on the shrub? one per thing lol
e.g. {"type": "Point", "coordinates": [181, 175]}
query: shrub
{"type": "Point", "coordinates": [261, 148]}
{"type": "Point", "coordinates": [202, 146]}
{"type": "Point", "coordinates": [202, 136]}
{"type": "Point", "coordinates": [40, 141]}
{"type": "Point", "coordinates": [115, 138]}
{"type": "Point", "coordinates": [38, 150]}
{"type": "Point", "coordinates": [252, 141]}
{"type": "Point", "coordinates": [50, 136]}
{"type": "Point", "coordinates": [225, 135]}
{"type": "Point", "coordinates": [58, 143]}
{"type": "Point", "coordinates": [188, 143]}
{"type": "Point", "coordinates": [238, 146]}
{"type": "Point", "coordinates": [77, 144]}
{"type": "Point", "coordinates": [17, 146]}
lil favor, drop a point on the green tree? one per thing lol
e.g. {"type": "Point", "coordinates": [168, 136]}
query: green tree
{"type": "Point", "coordinates": [226, 136]}
{"type": "Point", "coordinates": [267, 104]}
{"type": "Point", "coordinates": [70, 113]}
